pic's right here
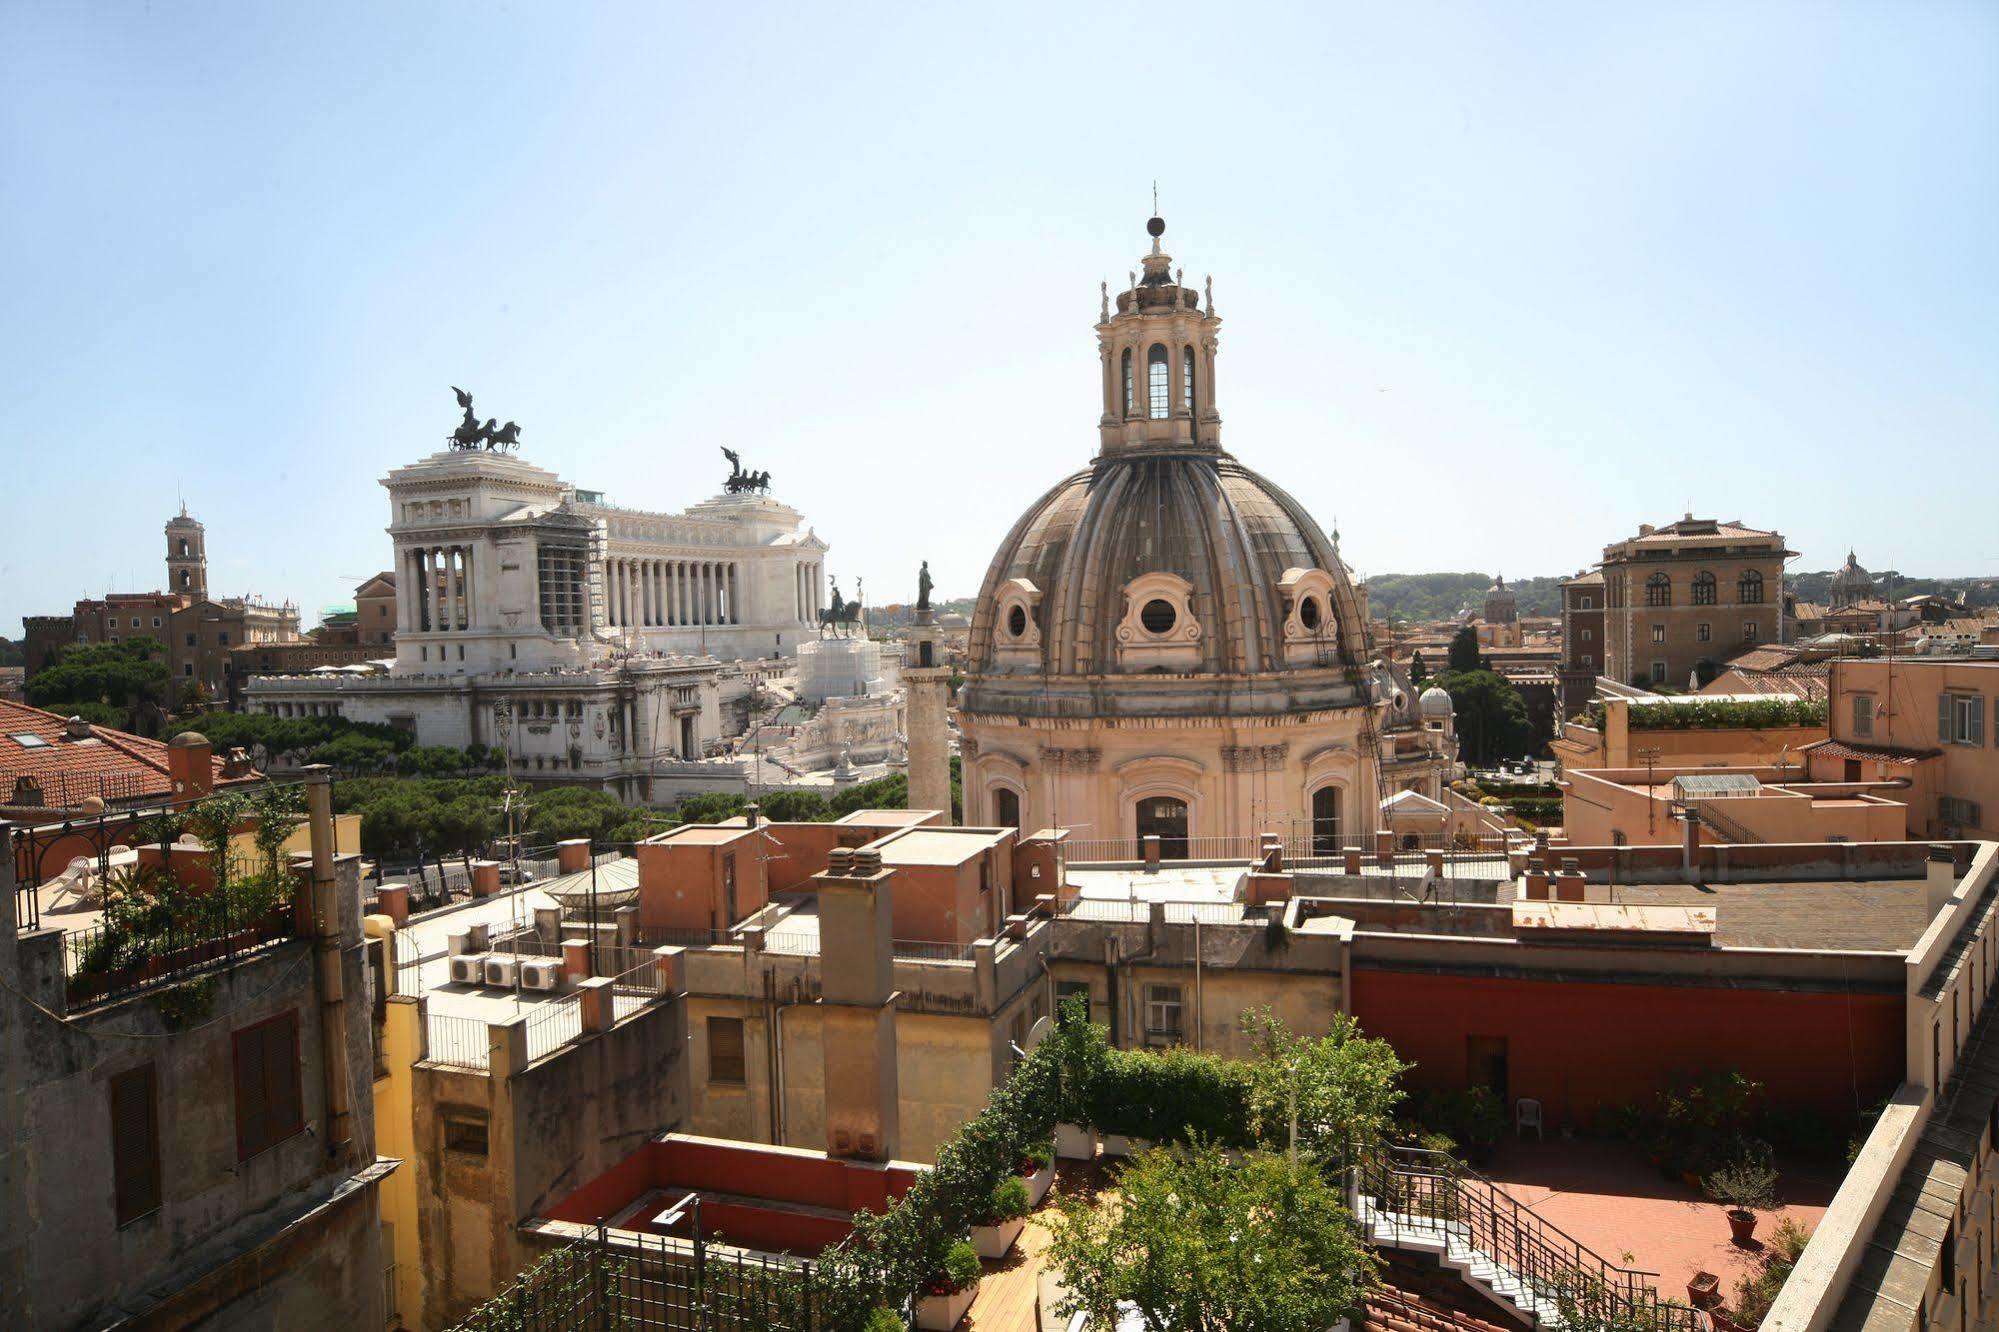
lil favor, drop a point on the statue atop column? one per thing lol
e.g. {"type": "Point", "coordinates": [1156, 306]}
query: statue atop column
{"type": "Point", "coordinates": [923, 586]}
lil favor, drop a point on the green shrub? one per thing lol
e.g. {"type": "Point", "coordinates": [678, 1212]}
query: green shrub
{"type": "Point", "coordinates": [1009, 1201]}
{"type": "Point", "coordinates": [1719, 714]}
{"type": "Point", "coordinates": [1757, 1291]}
{"type": "Point", "coordinates": [885, 1319]}
{"type": "Point", "coordinates": [960, 1268]}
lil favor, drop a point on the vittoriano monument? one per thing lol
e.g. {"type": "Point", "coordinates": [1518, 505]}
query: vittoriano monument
{"type": "Point", "coordinates": [472, 435]}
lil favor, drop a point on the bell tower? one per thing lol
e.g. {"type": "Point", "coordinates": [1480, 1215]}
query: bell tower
{"type": "Point", "coordinates": [187, 557]}
{"type": "Point", "coordinates": [1158, 353]}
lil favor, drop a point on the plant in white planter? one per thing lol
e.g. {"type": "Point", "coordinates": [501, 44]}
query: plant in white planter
{"type": "Point", "coordinates": [948, 1294]}
{"type": "Point", "coordinates": [1006, 1217]}
{"type": "Point", "coordinates": [1037, 1168]}
{"type": "Point", "coordinates": [1075, 1142]}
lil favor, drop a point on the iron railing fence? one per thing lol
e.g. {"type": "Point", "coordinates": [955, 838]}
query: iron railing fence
{"type": "Point", "coordinates": [1422, 1193]}
{"type": "Point", "coordinates": [639, 1282]}
{"type": "Point", "coordinates": [461, 1042]}
{"type": "Point", "coordinates": [108, 961]}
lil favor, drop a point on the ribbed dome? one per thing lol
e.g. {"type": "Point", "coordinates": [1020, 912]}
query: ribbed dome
{"type": "Point", "coordinates": [1200, 516]}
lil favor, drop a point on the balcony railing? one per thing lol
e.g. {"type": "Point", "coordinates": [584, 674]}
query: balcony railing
{"type": "Point", "coordinates": [1427, 1196]}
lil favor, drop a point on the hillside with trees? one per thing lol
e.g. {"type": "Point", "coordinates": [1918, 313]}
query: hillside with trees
{"type": "Point", "coordinates": [1440, 596]}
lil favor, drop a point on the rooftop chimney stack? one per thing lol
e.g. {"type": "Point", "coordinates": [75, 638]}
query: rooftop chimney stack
{"type": "Point", "coordinates": [857, 1014]}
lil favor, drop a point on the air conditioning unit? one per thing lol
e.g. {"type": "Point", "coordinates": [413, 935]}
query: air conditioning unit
{"type": "Point", "coordinates": [540, 973]}
{"type": "Point", "coordinates": [468, 968]}
{"type": "Point", "coordinates": [501, 968]}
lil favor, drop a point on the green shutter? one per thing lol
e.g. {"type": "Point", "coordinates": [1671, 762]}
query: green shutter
{"type": "Point", "coordinates": [1943, 719]}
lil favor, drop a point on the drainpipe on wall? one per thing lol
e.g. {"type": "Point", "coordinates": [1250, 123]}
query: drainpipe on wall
{"type": "Point", "coordinates": [327, 974]}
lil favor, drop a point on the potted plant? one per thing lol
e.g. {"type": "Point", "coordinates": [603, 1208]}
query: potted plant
{"type": "Point", "coordinates": [1704, 1290]}
{"type": "Point", "coordinates": [1075, 1142]}
{"type": "Point", "coordinates": [1037, 1167]}
{"type": "Point", "coordinates": [1746, 1183]}
{"type": "Point", "coordinates": [1005, 1217]}
{"type": "Point", "coordinates": [948, 1293]}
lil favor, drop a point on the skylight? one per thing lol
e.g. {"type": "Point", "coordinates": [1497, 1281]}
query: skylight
{"type": "Point", "coordinates": [28, 740]}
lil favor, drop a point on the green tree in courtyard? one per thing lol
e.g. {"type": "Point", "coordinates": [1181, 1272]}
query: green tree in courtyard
{"type": "Point", "coordinates": [1418, 670]}
{"type": "Point", "coordinates": [1492, 718]}
{"type": "Point", "coordinates": [1197, 1244]}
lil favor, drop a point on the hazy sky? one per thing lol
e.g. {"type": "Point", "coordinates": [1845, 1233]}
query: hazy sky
{"type": "Point", "coordinates": [1500, 281]}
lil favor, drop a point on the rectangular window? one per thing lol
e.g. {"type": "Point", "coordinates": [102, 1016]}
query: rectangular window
{"type": "Point", "coordinates": [135, 1143]}
{"type": "Point", "coordinates": [1703, 632]}
{"type": "Point", "coordinates": [1961, 719]}
{"type": "Point", "coordinates": [1863, 714]}
{"type": "Point", "coordinates": [1064, 990]}
{"type": "Point", "coordinates": [1588, 660]}
{"type": "Point", "coordinates": [269, 1107]}
{"type": "Point", "coordinates": [1585, 636]}
{"type": "Point", "coordinates": [1749, 631]}
{"type": "Point", "coordinates": [1588, 603]}
{"type": "Point", "coordinates": [156, 622]}
{"type": "Point", "coordinates": [465, 1133]}
{"type": "Point", "coordinates": [725, 1050]}
{"type": "Point", "coordinates": [190, 640]}
{"type": "Point", "coordinates": [1658, 672]}
{"type": "Point", "coordinates": [135, 622]}
{"type": "Point", "coordinates": [1658, 633]}
{"type": "Point", "coordinates": [1162, 1015]}
{"type": "Point", "coordinates": [222, 639]}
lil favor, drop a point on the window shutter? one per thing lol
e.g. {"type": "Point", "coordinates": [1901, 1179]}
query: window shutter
{"type": "Point", "coordinates": [281, 1070]}
{"type": "Point", "coordinates": [1943, 719]}
{"type": "Point", "coordinates": [252, 1119]}
{"type": "Point", "coordinates": [1977, 727]}
{"type": "Point", "coordinates": [135, 1144]}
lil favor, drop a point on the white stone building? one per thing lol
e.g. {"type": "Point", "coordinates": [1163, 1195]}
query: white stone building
{"type": "Point", "coordinates": [582, 639]}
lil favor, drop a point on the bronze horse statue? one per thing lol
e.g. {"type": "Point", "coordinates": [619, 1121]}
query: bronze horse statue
{"type": "Point", "coordinates": [838, 615]}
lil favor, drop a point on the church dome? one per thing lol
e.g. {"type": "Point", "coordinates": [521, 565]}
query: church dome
{"type": "Point", "coordinates": [1434, 702]}
{"type": "Point", "coordinates": [1219, 560]}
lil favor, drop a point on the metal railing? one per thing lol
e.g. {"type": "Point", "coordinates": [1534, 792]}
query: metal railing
{"type": "Point", "coordinates": [107, 961]}
{"type": "Point", "coordinates": [461, 1042]}
{"type": "Point", "coordinates": [1422, 1194]}
{"type": "Point", "coordinates": [629, 1279]}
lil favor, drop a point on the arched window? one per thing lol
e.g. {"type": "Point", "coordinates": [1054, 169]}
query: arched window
{"type": "Point", "coordinates": [1326, 821]}
{"type": "Point", "coordinates": [1658, 590]}
{"type": "Point", "coordinates": [1703, 588]}
{"type": "Point", "coordinates": [1164, 817]}
{"type": "Point", "coordinates": [183, 547]}
{"type": "Point", "coordinates": [1130, 404]}
{"type": "Point", "coordinates": [1749, 588]}
{"type": "Point", "coordinates": [1156, 382]}
{"type": "Point", "coordinates": [1006, 807]}
{"type": "Point", "coordinates": [1187, 380]}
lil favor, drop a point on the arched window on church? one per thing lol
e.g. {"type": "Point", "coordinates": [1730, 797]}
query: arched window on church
{"type": "Point", "coordinates": [1006, 807]}
{"type": "Point", "coordinates": [1187, 380]}
{"type": "Point", "coordinates": [1130, 403]}
{"type": "Point", "coordinates": [1156, 383]}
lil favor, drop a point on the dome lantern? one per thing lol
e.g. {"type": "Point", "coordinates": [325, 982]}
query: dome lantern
{"type": "Point", "coordinates": [1158, 351]}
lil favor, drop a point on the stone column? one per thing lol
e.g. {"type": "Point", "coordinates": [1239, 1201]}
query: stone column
{"type": "Point", "coordinates": [440, 584]}
{"type": "Point", "coordinates": [471, 593]}
{"type": "Point", "coordinates": [925, 689]}
{"type": "Point", "coordinates": [735, 591]}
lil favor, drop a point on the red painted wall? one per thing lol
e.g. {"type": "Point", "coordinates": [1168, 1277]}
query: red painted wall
{"type": "Point", "coordinates": [747, 1170]}
{"type": "Point", "coordinates": [1576, 1045]}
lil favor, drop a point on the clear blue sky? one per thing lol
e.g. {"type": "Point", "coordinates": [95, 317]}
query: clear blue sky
{"type": "Point", "coordinates": [1500, 281]}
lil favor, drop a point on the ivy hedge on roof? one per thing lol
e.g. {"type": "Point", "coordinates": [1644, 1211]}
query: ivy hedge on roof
{"type": "Point", "coordinates": [1703, 714]}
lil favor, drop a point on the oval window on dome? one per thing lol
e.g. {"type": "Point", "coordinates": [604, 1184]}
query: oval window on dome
{"type": "Point", "coordinates": [1308, 613]}
{"type": "Point", "coordinates": [1158, 616]}
{"type": "Point", "coordinates": [1016, 621]}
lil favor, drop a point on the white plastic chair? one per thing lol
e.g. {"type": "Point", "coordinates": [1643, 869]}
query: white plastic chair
{"type": "Point", "coordinates": [1527, 1114]}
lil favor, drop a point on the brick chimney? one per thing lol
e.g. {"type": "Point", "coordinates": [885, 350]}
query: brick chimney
{"type": "Point", "coordinates": [858, 1010]}
{"type": "Point", "coordinates": [190, 765]}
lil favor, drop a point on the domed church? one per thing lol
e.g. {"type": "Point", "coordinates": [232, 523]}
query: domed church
{"type": "Point", "coordinates": [1167, 643]}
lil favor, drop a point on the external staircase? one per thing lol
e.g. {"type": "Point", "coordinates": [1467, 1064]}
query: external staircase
{"type": "Point", "coordinates": [1429, 1203]}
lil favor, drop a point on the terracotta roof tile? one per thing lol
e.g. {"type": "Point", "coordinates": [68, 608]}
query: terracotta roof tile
{"type": "Point", "coordinates": [111, 764]}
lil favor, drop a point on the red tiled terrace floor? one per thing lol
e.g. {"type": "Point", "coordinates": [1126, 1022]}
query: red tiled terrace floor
{"type": "Point", "coordinates": [1607, 1196]}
